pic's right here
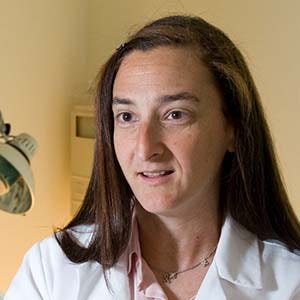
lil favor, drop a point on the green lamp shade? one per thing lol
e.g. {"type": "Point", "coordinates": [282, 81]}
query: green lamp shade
{"type": "Point", "coordinates": [16, 178]}
{"type": "Point", "coordinates": [8, 176]}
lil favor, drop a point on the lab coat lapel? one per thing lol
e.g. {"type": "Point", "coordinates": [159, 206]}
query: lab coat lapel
{"type": "Point", "coordinates": [237, 261]}
{"type": "Point", "coordinates": [119, 282]}
{"type": "Point", "coordinates": [211, 287]}
{"type": "Point", "coordinates": [238, 257]}
{"type": "Point", "coordinates": [91, 283]}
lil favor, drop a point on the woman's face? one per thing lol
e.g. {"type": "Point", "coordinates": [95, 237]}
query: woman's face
{"type": "Point", "coordinates": [170, 134]}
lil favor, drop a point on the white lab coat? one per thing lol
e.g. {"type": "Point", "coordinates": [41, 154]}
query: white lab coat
{"type": "Point", "coordinates": [243, 268]}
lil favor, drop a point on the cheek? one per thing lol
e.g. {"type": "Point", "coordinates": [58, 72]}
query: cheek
{"type": "Point", "coordinates": [199, 150]}
{"type": "Point", "coordinates": [123, 148]}
{"type": "Point", "coordinates": [117, 145]}
{"type": "Point", "coordinates": [187, 149]}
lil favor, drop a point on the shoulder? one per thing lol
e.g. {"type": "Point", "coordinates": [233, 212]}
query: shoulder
{"type": "Point", "coordinates": [49, 253]}
{"type": "Point", "coordinates": [280, 268]}
{"type": "Point", "coordinates": [46, 270]}
{"type": "Point", "coordinates": [264, 266]}
{"type": "Point", "coordinates": [271, 251]}
{"type": "Point", "coordinates": [280, 247]}
{"type": "Point", "coordinates": [277, 255]}
{"type": "Point", "coordinates": [267, 248]}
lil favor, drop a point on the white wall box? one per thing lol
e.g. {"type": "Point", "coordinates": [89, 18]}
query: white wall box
{"type": "Point", "coordinates": [82, 151]}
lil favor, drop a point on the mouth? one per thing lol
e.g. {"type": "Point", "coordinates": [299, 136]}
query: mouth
{"type": "Point", "coordinates": [155, 174]}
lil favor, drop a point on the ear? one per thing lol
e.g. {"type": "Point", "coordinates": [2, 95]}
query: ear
{"type": "Point", "coordinates": [231, 140]}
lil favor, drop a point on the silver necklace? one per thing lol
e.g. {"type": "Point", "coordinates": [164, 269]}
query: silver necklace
{"type": "Point", "coordinates": [168, 277]}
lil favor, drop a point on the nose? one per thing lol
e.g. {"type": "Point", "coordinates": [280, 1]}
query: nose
{"type": "Point", "coordinates": [149, 144]}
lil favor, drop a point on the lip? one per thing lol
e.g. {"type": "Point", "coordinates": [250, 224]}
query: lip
{"type": "Point", "coordinates": [154, 181]}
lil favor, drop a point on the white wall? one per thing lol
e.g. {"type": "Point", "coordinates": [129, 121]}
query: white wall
{"type": "Point", "coordinates": [43, 59]}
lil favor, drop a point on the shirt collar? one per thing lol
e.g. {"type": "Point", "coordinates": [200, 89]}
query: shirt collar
{"type": "Point", "coordinates": [238, 255]}
{"type": "Point", "coordinates": [134, 250]}
{"type": "Point", "coordinates": [146, 282]}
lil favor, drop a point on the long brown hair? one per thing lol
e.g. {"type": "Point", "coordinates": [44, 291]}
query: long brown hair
{"type": "Point", "coordinates": [252, 190]}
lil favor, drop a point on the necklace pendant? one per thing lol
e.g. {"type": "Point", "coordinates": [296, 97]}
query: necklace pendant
{"type": "Point", "coordinates": [168, 277]}
{"type": "Point", "coordinates": [204, 263]}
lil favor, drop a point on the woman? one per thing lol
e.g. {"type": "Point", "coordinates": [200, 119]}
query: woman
{"type": "Point", "coordinates": [186, 199]}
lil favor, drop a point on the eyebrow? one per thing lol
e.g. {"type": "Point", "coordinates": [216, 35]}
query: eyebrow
{"type": "Point", "coordinates": [163, 99]}
{"type": "Point", "coordinates": [180, 96]}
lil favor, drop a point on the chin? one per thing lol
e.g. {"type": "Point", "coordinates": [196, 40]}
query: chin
{"type": "Point", "coordinates": [158, 205]}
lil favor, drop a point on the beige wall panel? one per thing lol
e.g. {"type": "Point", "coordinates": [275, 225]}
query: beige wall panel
{"type": "Point", "coordinates": [42, 59]}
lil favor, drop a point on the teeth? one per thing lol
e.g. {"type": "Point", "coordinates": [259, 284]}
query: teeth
{"type": "Point", "coordinates": [154, 174]}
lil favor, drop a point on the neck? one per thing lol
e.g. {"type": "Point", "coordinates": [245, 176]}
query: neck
{"type": "Point", "coordinates": [175, 243]}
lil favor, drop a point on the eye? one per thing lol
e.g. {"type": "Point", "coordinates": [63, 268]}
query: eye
{"type": "Point", "coordinates": [176, 115]}
{"type": "Point", "coordinates": [125, 117]}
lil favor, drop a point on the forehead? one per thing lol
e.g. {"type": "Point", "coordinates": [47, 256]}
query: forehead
{"type": "Point", "coordinates": [162, 69]}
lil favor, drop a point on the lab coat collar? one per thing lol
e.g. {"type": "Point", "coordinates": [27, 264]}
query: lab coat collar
{"type": "Point", "coordinates": [238, 256]}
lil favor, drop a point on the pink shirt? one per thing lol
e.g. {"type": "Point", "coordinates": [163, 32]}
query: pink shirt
{"type": "Point", "coordinates": [143, 283]}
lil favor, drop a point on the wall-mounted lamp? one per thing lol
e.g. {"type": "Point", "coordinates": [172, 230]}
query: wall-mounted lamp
{"type": "Point", "coordinates": [16, 179]}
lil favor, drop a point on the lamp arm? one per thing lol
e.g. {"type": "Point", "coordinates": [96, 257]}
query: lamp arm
{"type": "Point", "coordinates": [4, 129]}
